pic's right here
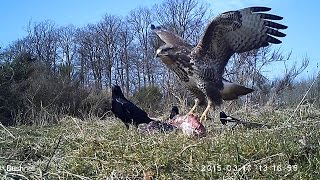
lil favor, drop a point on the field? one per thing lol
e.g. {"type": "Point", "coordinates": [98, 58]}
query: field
{"type": "Point", "coordinates": [104, 149]}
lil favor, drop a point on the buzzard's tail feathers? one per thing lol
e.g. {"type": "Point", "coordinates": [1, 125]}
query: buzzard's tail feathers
{"type": "Point", "coordinates": [232, 91]}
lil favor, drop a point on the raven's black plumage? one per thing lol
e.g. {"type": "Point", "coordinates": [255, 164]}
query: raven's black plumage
{"type": "Point", "coordinates": [174, 112]}
{"type": "Point", "coordinates": [126, 110]}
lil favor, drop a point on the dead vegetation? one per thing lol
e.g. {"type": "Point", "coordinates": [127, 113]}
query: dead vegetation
{"type": "Point", "coordinates": [105, 149]}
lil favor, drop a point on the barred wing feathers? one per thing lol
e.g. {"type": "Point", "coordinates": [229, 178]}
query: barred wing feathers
{"type": "Point", "coordinates": [236, 32]}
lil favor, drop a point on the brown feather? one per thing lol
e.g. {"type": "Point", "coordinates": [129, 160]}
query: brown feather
{"type": "Point", "coordinates": [235, 31]}
{"type": "Point", "coordinates": [200, 69]}
{"type": "Point", "coordinates": [169, 37]}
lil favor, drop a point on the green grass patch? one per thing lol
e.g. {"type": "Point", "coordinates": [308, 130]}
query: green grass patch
{"type": "Point", "coordinates": [105, 149]}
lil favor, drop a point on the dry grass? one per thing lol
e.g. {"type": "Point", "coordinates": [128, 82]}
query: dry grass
{"type": "Point", "coordinates": [105, 149]}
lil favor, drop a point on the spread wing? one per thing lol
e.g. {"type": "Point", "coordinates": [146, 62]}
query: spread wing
{"type": "Point", "coordinates": [237, 31]}
{"type": "Point", "coordinates": [169, 37]}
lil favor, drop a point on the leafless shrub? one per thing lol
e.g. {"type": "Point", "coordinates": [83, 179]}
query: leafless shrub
{"type": "Point", "coordinates": [96, 104]}
{"type": "Point", "coordinates": [286, 81]}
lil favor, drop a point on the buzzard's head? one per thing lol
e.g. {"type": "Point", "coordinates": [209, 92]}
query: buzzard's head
{"type": "Point", "coordinates": [169, 54]}
{"type": "Point", "coordinates": [166, 52]}
{"type": "Point", "coordinates": [174, 49]}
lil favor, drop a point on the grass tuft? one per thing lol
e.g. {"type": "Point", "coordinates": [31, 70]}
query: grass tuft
{"type": "Point", "coordinates": [105, 149]}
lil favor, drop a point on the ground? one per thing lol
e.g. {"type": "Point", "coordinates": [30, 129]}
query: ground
{"type": "Point", "coordinates": [104, 149]}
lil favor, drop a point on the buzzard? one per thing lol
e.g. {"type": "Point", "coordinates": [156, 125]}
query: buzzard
{"type": "Point", "coordinates": [200, 68]}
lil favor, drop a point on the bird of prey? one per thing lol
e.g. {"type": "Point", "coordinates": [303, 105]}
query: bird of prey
{"type": "Point", "coordinates": [126, 110]}
{"type": "Point", "coordinates": [200, 68]}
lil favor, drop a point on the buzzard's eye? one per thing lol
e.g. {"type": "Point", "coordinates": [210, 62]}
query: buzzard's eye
{"type": "Point", "coordinates": [167, 49]}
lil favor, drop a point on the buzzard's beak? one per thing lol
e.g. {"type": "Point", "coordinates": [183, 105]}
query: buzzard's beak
{"type": "Point", "coordinates": [157, 53]}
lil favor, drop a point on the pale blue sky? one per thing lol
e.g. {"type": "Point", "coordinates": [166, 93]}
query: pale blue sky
{"type": "Point", "coordinates": [302, 18]}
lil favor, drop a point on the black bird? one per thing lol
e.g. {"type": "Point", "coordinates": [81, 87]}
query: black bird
{"type": "Point", "coordinates": [174, 112]}
{"type": "Point", "coordinates": [126, 110]}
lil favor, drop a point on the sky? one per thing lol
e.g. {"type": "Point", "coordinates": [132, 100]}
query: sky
{"type": "Point", "coordinates": [301, 17]}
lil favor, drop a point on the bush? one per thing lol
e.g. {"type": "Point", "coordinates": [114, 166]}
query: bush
{"type": "Point", "coordinates": [13, 83]}
{"type": "Point", "coordinates": [148, 97]}
{"type": "Point", "coordinates": [97, 103]}
{"type": "Point", "coordinates": [31, 93]}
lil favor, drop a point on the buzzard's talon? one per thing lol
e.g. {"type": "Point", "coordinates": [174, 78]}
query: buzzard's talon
{"type": "Point", "coordinates": [196, 103]}
{"type": "Point", "coordinates": [206, 111]}
{"type": "Point", "coordinates": [192, 110]}
{"type": "Point", "coordinates": [203, 117]}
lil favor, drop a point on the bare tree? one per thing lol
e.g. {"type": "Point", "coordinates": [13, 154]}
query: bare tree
{"type": "Point", "coordinates": [44, 39]}
{"type": "Point", "coordinates": [125, 55]}
{"type": "Point", "coordinates": [68, 46]}
{"type": "Point", "coordinates": [16, 48]}
{"type": "Point", "coordinates": [140, 20]}
{"type": "Point", "coordinates": [89, 51]}
{"type": "Point", "coordinates": [108, 34]}
{"type": "Point", "coordinates": [248, 69]}
{"type": "Point", "coordinates": [187, 18]}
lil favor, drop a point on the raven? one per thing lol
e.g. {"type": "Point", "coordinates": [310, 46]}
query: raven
{"type": "Point", "coordinates": [126, 110]}
{"type": "Point", "coordinates": [174, 112]}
